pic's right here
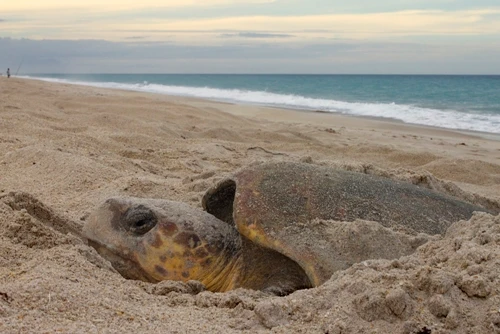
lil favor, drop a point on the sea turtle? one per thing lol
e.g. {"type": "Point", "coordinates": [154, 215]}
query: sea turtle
{"type": "Point", "coordinates": [270, 227]}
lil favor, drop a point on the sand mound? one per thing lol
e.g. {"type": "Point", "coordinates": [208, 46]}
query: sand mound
{"type": "Point", "coordinates": [448, 285]}
{"type": "Point", "coordinates": [52, 281]}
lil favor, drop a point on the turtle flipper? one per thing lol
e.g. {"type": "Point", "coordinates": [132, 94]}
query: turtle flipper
{"type": "Point", "coordinates": [218, 200]}
{"type": "Point", "coordinates": [270, 271]}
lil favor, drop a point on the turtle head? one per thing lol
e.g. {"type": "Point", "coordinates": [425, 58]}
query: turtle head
{"type": "Point", "coordinates": [155, 240]}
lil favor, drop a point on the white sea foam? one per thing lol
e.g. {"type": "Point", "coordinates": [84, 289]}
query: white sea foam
{"type": "Point", "coordinates": [451, 119]}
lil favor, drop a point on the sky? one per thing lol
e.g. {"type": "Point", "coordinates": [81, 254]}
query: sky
{"type": "Point", "coordinates": [251, 36]}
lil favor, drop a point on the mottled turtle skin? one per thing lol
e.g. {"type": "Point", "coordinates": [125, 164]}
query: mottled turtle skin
{"type": "Point", "coordinates": [262, 227]}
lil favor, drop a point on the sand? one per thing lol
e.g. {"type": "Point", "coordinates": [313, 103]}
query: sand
{"type": "Point", "coordinates": [66, 148]}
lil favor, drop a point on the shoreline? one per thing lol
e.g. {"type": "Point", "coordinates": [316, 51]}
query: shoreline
{"type": "Point", "coordinates": [316, 127]}
{"type": "Point", "coordinates": [250, 106]}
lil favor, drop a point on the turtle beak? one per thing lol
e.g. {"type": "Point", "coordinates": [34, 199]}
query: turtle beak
{"type": "Point", "coordinates": [106, 235]}
{"type": "Point", "coordinates": [98, 225]}
{"type": "Point", "coordinates": [101, 234]}
{"type": "Point", "coordinates": [103, 224]}
{"type": "Point", "coordinates": [128, 268]}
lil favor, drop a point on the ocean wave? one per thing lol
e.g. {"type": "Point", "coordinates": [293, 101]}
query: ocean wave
{"type": "Point", "coordinates": [450, 119]}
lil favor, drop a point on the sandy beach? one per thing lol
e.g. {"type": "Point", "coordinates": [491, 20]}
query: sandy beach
{"type": "Point", "coordinates": [66, 148]}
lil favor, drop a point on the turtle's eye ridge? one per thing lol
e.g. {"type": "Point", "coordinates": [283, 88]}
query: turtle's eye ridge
{"type": "Point", "coordinates": [139, 220]}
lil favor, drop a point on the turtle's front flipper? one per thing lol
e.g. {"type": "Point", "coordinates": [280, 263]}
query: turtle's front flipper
{"type": "Point", "coordinates": [267, 270]}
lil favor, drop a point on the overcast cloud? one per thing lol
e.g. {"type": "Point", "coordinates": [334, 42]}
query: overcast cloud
{"type": "Point", "coordinates": [251, 36]}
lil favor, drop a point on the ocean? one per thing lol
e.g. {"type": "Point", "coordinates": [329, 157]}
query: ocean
{"type": "Point", "coordinates": [462, 102]}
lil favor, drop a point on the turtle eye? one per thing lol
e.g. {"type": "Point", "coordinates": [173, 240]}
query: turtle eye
{"type": "Point", "coordinates": [139, 220]}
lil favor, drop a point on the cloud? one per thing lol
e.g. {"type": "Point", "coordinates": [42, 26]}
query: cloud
{"type": "Point", "coordinates": [97, 5]}
{"type": "Point", "coordinates": [405, 22]}
{"type": "Point", "coordinates": [136, 37]}
{"type": "Point", "coordinates": [384, 25]}
{"type": "Point", "coordinates": [255, 35]}
{"type": "Point", "coordinates": [341, 56]}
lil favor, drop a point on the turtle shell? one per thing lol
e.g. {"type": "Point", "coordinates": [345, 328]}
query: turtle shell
{"type": "Point", "coordinates": [283, 206]}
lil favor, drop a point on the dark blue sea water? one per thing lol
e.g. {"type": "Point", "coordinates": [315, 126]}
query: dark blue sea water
{"type": "Point", "coordinates": [455, 102]}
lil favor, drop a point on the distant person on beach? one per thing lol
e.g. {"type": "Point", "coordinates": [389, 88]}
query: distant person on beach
{"type": "Point", "coordinates": [8, 73]}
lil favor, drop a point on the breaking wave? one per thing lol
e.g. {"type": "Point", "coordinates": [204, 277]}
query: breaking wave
{"type": "Point", "coordinates": [451, 119]}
